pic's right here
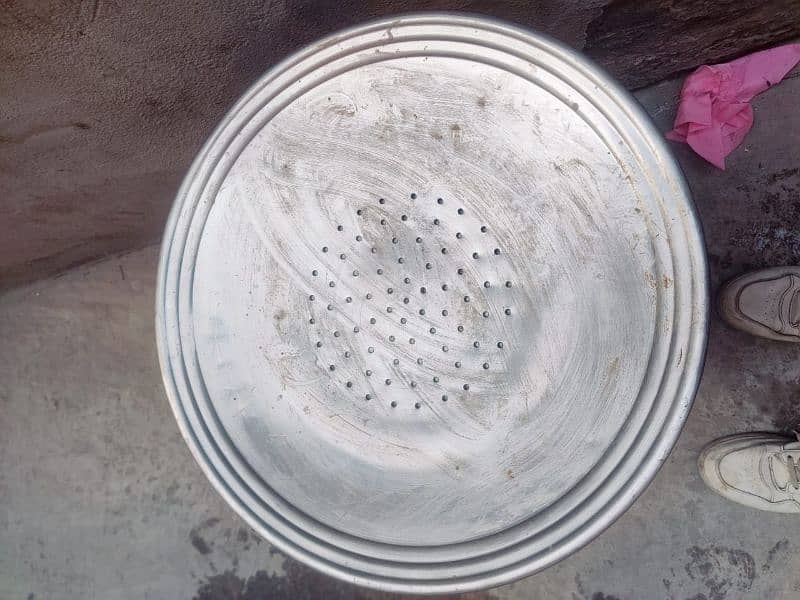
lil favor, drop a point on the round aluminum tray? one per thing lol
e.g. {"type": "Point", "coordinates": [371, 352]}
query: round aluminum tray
{"type": "Point", "coordinates": [432, 304]}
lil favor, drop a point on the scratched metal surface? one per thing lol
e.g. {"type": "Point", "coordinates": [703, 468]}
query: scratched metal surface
{"type": "Point", "coordinates": [432, 304]}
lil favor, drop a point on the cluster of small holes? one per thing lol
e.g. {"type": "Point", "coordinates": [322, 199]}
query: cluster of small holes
{"type": "Point", "coordinates": [406, 300]}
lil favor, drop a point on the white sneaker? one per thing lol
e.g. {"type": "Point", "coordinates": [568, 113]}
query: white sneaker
{"type": "Point", "coordinates": [765, 303]}
{"type": "Point", "coordinates": [755, 469]}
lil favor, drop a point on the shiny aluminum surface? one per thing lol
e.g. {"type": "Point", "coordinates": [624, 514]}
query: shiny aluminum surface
{"type": "Point", "coordinates": [432, 304]}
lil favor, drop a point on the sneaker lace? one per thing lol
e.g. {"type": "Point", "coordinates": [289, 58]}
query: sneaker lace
{"type": "Point", "coordinates": [792, 468]}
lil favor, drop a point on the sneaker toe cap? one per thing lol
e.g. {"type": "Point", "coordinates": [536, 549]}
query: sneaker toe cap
{"type": "Point", "coordinates": [733, 471]}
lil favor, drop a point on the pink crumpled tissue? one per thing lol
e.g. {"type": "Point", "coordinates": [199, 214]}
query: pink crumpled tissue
{"type": "Point", "coordinates": [714, 113]}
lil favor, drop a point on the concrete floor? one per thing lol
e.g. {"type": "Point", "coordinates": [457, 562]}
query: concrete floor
{"type": "Point", "coordinates": [100, 498]}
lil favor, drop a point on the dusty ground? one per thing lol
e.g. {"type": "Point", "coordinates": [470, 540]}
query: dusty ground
{"type": "Point", "coordinates": [100, 498]}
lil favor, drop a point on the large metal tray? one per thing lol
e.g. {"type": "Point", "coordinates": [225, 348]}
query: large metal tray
{"type": "Point", "coordinates": [432, 304]}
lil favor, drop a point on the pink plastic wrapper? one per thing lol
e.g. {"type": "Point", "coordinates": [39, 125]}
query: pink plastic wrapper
{"type": "Point", "coordinates": [714, 113]}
